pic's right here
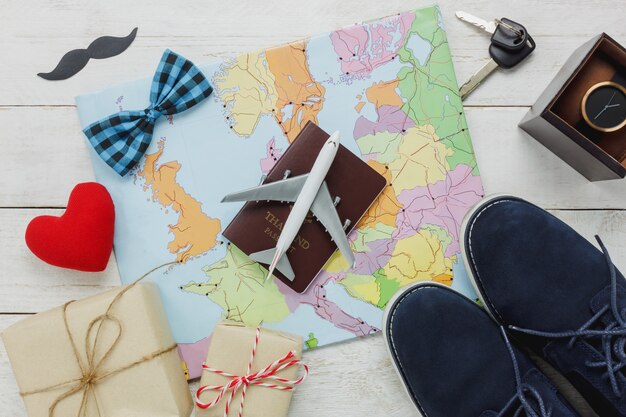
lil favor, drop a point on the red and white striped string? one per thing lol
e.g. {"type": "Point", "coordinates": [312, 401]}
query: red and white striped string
{"type": "Point", "coordinates": [259, 378]}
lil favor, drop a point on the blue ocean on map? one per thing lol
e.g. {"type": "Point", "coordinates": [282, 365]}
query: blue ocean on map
{"type": "Point", "coordinates": [388, 86]}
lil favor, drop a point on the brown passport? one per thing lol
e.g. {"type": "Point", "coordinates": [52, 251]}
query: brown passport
{"type": "Point", "coordinates": [258, 225]}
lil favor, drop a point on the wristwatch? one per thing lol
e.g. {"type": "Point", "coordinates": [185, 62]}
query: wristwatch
{"type": "Point", "coordinates": [603, 107]}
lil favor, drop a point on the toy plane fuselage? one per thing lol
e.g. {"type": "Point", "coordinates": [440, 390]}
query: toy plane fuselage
{"type": "Point", "coordinates": [307, 192]}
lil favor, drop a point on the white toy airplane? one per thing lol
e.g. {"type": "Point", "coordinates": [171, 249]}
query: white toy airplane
{"type": "Point", "coordinates": [307, 192]}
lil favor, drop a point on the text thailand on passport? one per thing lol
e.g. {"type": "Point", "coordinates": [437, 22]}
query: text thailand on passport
{"type": "Point", "coordinates": [389, 87]}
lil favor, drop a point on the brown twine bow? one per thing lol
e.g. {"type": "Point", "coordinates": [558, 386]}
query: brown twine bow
{"type": "Point", "coordinates": [91, 372]}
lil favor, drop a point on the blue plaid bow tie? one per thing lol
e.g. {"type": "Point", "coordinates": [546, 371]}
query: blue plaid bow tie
{"type": "Point", "coordinates": [122, 138]}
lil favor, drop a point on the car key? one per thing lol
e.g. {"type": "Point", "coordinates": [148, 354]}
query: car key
{"type": "Point", "coordinates": [510, 45]}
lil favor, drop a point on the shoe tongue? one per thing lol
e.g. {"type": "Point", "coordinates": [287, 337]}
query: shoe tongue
{"type": "Point", "coordinates": [603, 298]}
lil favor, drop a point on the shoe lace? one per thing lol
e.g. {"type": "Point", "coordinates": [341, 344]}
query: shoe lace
{"type": "Point", "coordinates": [523, 392]}
{"type": "Point", "coordinates": [612, 337]}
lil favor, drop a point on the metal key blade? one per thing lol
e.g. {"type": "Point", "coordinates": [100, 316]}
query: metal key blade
{"type": "Point", "coordinates": [478, 78]}
{"type": "Point", "coordinates": [488, 27]}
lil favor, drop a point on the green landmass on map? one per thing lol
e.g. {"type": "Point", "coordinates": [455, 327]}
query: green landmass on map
{"type": "Point", "coordinates": [236, 284]}
{"type": "Point", "coordinates": [311, 342]}
{"type": "Point", "coordinates": [432, 93]}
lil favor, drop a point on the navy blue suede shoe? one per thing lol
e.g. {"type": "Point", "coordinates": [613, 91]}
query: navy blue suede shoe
{"type": "Point", "coordinates": [455, 361]}
{"type": "Point", "coordinates": [554, 292]}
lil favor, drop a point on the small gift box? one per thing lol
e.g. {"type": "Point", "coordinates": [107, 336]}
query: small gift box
{"type": "Point", "coordinates": [110, 355]}
{"type": "Point", "coordinates": [257, 368]}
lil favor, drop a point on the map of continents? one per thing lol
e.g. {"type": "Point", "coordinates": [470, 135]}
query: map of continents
{"type": "Point", "coordinates": [393, 83]}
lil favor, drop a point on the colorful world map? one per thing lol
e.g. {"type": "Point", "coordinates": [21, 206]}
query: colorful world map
{"type": "Point", "coordinates": [389, 87]}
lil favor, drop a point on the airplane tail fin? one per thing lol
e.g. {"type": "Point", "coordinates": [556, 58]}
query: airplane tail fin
{"type": "Point", "coordinates": [268, 257]}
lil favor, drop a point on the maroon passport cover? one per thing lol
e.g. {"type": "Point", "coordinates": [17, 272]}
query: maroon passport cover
{"type": "Point", "coordinates": [258, 225]}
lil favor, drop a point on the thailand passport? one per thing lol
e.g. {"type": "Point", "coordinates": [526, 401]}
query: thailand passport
{"type": "Point", "coordinates": [259, 224]}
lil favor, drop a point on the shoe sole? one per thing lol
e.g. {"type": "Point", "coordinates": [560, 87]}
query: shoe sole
{"type": "Point", "coordinates": [391, 306]}
{"type": "Point", "coordinates": [481, 205]}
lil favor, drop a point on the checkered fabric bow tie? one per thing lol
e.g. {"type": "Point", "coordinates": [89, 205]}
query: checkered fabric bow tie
{"type": "Point", "coordinates": [122, 138]}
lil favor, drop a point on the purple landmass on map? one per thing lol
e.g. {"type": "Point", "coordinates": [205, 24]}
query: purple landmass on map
{"type": "Point", "coordinates": [390, 119]}
{"type": "Point", "coordinates": [362, 48]}
{"type": "Point", "coordinates": [315, 296]}
{"type": "Point", "coordinates": [194, 354]}
{"type": "Point", "coordinates": [378, 255]}
{"type": "Point", "coordinates": [442, 204]}
{"type": "Point", "coordinates": [272, 156]}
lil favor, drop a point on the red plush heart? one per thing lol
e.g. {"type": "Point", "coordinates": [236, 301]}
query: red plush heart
{"type": "Point", "coordinates": [82, 238]}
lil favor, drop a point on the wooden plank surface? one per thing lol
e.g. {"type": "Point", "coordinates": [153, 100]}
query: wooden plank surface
{"type": "Point", "coordinates": [510, 161]}
{"type": "Point", "coordinates": [204, 30]}
{"type": "Point", "coordinates": [28, 285]}
{"type": "Point", "coordinates": [349, 379]}
{"type": "Point", "coordinates": [40, 130]}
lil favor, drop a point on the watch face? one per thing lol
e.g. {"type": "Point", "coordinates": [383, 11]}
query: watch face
{"type": "Point", "coordinates": [604, 106]}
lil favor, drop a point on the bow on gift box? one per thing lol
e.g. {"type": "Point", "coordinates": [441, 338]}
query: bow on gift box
{"type": "Point", "coordinates": [122, 138]}
{"type": "Point", "coordinates": [262, 378]}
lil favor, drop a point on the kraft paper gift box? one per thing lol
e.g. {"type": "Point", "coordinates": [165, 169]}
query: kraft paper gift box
{"type": "Point", "coordinates": [140, 376]}
{"type": "Point", "coordinates": [230, 351]}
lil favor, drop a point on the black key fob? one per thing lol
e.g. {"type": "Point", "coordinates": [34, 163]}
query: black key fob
{"type": "Point", "coordinates": [510, 44]}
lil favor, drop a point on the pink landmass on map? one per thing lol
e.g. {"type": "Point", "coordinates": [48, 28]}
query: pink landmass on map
{"type": "Point", "coordinates": [390, 119]}
{"type": "Point", "coordinates": [291, 298]}
{"type": "Point", "coordinates": [362, 48]}
{"type": "Point", "coordinates": [194, 354]}
{"type": "Point", "coordinates": [273, 155]}
{"type": "Point", "coordinates": [442, 204]}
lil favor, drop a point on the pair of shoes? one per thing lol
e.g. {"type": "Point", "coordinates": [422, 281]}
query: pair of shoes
{"type": "Point", "coordinates": [544, 287]}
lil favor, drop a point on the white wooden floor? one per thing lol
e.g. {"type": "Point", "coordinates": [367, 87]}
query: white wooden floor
{"type": "Point", "coordinates": [43, 152]}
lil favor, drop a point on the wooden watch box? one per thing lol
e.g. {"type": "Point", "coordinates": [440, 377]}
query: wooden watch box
{"type": "Point", "coordinates": [556, 119]}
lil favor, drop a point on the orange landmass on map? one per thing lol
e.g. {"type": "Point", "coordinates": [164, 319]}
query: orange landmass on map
{"type": "Point", "coordinates": [359, 106]}
{"type": "Point", "coordinates": [445, 279]}
{"type": "Point", "coordinates": [195, 232]}
{"type": "Point", "coordinates": [300, 97]}
{"type": "Point", "coordinates": [385, 208]}
{"type": "Point", "coordinates": [384, 94]}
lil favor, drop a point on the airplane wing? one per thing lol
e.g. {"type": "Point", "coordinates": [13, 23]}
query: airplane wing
{"type": "Point", "coordinates": [324, 209]}
{"type": "Point", "coordinates": [283, 190]}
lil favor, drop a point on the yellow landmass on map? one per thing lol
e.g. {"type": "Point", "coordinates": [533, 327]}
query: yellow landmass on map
{"type": "Point", "coordinates": [417, 258]}
{"type": "Point", "coordinates": [386, 206]}
{"type": "Point", "coordinates": [195, 232]}
{"type": "Point", "coordinates": [362, 287]}
{"type": "Point", "coordinates": [236, 284]}
{"type": "Point", "coordinates": [300, 97]}
{"type": "Point", "coordinates": [422, 159]}
{"type": "Point", "coordinates": [415, 157]}
{"type": "Point", "coordinates": [384, 94]}
{"type": "Point", "coordinates": [248, 90]}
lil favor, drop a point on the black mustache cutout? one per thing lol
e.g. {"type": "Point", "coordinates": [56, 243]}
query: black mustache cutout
{"type": "Point", "coordinates": [101, 48]}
